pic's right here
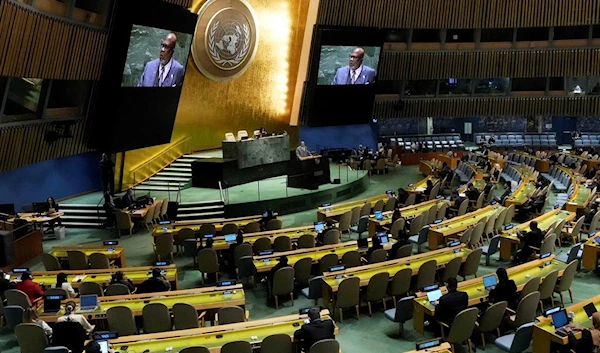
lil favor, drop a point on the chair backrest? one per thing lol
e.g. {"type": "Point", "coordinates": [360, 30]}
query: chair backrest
{"type": "Point", "coordinates": [426, 275]}
{"type": "Point", "coordinates": [120, 319]}
{"type": "Point", "coordinates": [156, 318]}
{"type": "Point", "coordinates": [157, 207]}
{"type": "Point", "coordinates": [363, 225]}
{"type": "Point", "coordinates": [378, 255]}
{"type": "Point", "coordinates": [500, 220]}
{"type": "Point", "coordinates": [70, 334]}
{"type": "Point", "coordinates": [462, 209]}
{"type": "Point", "coordinates": [567, 278]}
{"type": "Point", "coordinates": [283, 281]}
{"type": "Point", "coordinates": [451, 269]}
{"type": "Point", "coordinates": [327, 261]}
{"type": "Point", "coordinates": [263, 244]}
{"type": "Point", "coordinates": [404, 309]}
{"type": "Point", "coordinates": [13, 315]}
{"type": "Point", "coordinates": [325, 346]}
{"type": "Point", "coordinates": [229, 228]}
{"type": "Point", "coordinates": [57, 291]}
{"type": "Point", "coordinates": [510, 213]}
{"type": "Point", "coordinates": [237, 347]}
{"type": "Point", "coordinates": [207, 228]}
{"type": "Point", "coordinates": [274, 224]}
{"type": "Point", "coordinates": [477, 234]}
{"type": "Point", "coordinates": [150, 214]}
{"type": "Point", "coordinates": [548, 244]}
{"type": "Point", "coordinates": [306, 241]}
{"type": "Point", "coordinates": [410, 200]}
{"type": "Point", "coordinates": [302, 270]}
{"type": "Point", "coordinates": [346, 218]}
{"type": "Point", "coordinates": [377, 286]}
{"type": "Point", "coordinates": [252, 227]}
{"type": "Point", "coordinates": [389, 205]}
{"type": "Point", "coordinates": [527, 308]}
{"type": "Point", "coordinates": [492, 317]}
{"type": "Point", "coordinates": [164, 207]}
{"type": "Point", "coordinates": [245, 267]}
{"type": "Point", "coordinates": [423, 234]}
{"type": "Point", "coordinates": [365, 210]}
{"type": "Point", "coordinates": [17, 297]}
{"type": "Point", "coordinates": [208, 261]}
{"type": "Point", "coordinates": [315, 286]}
{"type": "Point", "coordinates": [50, 262]}
{"type": "Point", "coordinates": [276, 343]}
{"type": "Point", "coordinates": [282, 243]}
{"type": "Point", "coordinates": [397, 226]}
{"type": "Point", "coordinates": [465, 238]}
{"type": "Point", "coordinates": [351, 259]}
{"type": "Point", "coordinates": [400, 284]}
{"type": "Point", "coordinates": [195, 349]}
{"type": "Point", "coordinates": [77, 260]}
{"type": "Point", "coordinates": [416, 224]}
{"type": "Point", "coordinates": [57, 349]}
{"type": "Point", "coordinates": [522, 338]}
{"type": "Point", "coordinates": [241, 250]}
{"type": "Point", "coordinates": [432, 214]}
{"type": "Point", "coordinates": [90, 288]}
{"type": "Point", "coordinates": [462, 326]}
{"type": "Point", "coordinates": [547, 286]}
{"type": "Point", "coordinates": [123, 220]}
{"type": "Point", "coordinates": [331, 237]}
{"type": "Point", "coordinates": [164, 245]}
{"type": "Point", "coordinates": [574, 253]}
{"type": "Point", "coordinates": [348, 293]}
{"type": "Point", "coordinates": [404, 251]}
{"type": "Point", "coordinates": [479, 202]}
{"type": "Point", "coordinates": [185, 316]}
{"type": "Point", "coordinates": [229, 136]}
{"type": "Point", "coordinates": [441, 213]}
{"type": "Point", "coordinates": [117, 289]}
{"type": "Point", "coordinates": [355, 214]}
{"type": "Point", "coordinates": [242, 133]}
{"type": "Point", "coordinates": [378, 206]}
{"type": "Point", "coordinates": [99, 261]}
{"type": "Point", "coordinates": [184, 234]}
{"type": "Point", "coordinates": [531, 286]}
{"type": "Point", "coordinates": [594, 222]}
{"type": "Point", "coordinates": [31, 338]}
{"type": "Point", "coordinates": [230, 315]}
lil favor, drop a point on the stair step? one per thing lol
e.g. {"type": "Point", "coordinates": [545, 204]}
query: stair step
{"type": "Point", "coordinates": [173, 174]}
{"type": "Point", "coordinates": [198, 209]}
{"type": "Point", "coordinates": [178, 170]}
{"type": "Point", "coordinates": [187, 160]}
{"type": "Point", "coordinates": [153, 188]}
{"type": "Point", "coordinates": [198, 204]}
{"type": "Point", "coordinates": [71, 211]}
{"type": "Point", "coordinates": [173, 184]}
{"type": "Point", "coordinates": [69, 217]}
{"type": "Point", "coordinates": [179, 164]}
{"type": "Point", "coordinates": [82, 225]}
{"type": "Point", "coordinates": [173, 179]}
{"type": "Point", "coordinates": [77, 205]}
{"type": "Point", "coordinates": [200, 215]}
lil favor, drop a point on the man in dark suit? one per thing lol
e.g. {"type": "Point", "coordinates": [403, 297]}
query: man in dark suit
{"type": "Point", "coordinates": [164, 71]}
{"type": "Point", "coordinates": [315, 330]}
{"type": "Point", "coordinates": [5, 285]}
{"type": "Point", "coordinates": [128, 199]}
{"type": "Point", "coordinates": [355, 73]}
{"type": "Point", "coordinates": [532, 238]}
{"type": "Point", "coordinates": [453, 210]}
{"type": "Point", "coordinates": [451, 303]}
{"type": "Point", "coordinates": [108, 174]}
{"type": "Point", "coordinates": [472, 192]}
{"type": "Point", "coordinates": [157, 283]}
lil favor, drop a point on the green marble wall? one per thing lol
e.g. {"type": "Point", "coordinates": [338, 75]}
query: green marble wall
{"type": "Point", "coordinates": [251, 153]}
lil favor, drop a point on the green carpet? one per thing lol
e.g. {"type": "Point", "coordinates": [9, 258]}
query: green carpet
{"type": "Point", "coordinates": [368, 334]}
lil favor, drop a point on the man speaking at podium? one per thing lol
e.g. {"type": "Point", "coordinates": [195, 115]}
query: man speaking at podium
{"type": "Point", "coordinates": [355, 73]}
{"type": "Point", "coordinates": [302, 152]}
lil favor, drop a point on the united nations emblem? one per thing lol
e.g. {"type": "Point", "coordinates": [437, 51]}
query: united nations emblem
{"type": "Point", "coordinates": [225, 40]}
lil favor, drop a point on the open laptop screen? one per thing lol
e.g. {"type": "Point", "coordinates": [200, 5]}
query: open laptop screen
{"type": "Point", "coordinates": [560, 319]}
{"type": "Point", "coordinates": [88, 301]}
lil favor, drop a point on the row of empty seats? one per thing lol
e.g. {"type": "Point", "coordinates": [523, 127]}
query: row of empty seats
{"type": "Point", "coordinates": [560, 179]}
{"type": "Point", "coordinates": [464, 172]}
{"type": "Point", "coordinates": [517, 140]}
{"type": "Point", "coordinates": [511, 174]}
{"type": "Point", "coordinates": [431, 142]}
{"type": "Point", "coordinates": [587, 139]}
{"type": "Point", "coordinates": [515, 158]}
{"type": "Point", "coordinates": [242, 134]}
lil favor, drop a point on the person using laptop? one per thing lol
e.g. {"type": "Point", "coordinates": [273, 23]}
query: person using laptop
{"type": "Point", "coordinates": [94, 347]}
{"type": "Point", "coordinates": [30, 316]}
{"type": "Point", "coordinates": [5, 284]}
{"type": "Point", "coordinates": [61, 282]}
{"type": "Point", "coordinates": [314, 330]}
{"type": "Point", "coordinates": [590, 338]}
{"type": "Point", "coordinates": [267, 216]}
{"type": "Point", "coordinates": [375, 245]}
{"type": "Point", "coordinates": [156, 283]}
{"type": "Point", "coordinates": [70, 316]}
{"type": "Point", "coordinates": [29, 287]}
{"type": "Point", "coordinates": [400, 242]}
{"type": "Point", "coordinates": [120, 278]}
{"type": "Point", "coordinates": [504, 290]}
{"type": "Point", "coordinates": [283, 262]}
{"type": "Point", "coordinates": [451, 303]}
{"type": "Point", "coordinates": [530, 239]}
{"type": "Point", "coordinates": [53, 208]}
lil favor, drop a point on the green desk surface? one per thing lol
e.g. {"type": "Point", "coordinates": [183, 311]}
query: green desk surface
{"type": "Point", "coordinates": [409, 211]}
{"type": "Point", "coordinates": [520, 274]}
{"type": "Point", "coordinates": [421, 185]}
{"type": "Point", "coordinates": [544, 222]}
{"type": "Point", "coordinates": [392, 267]}
{"type": "Point", "coordinates": [581, 196]}
{"type": "Point", "coordinates": [136, 276]}
{"type": "Point", "coordinates": [154, 343]}
{"type": "Point", "coordinates": [580, 318]}
{"type": "Point", "coordinates": [520, 195]}
{"type": "Point", "coordinates": [457, 224]}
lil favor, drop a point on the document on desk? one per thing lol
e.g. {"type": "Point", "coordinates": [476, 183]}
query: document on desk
{"type": "Point", "coordinates": [79, 278]}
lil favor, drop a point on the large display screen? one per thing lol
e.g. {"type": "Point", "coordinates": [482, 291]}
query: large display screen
{"type": "Point", "coordinates": [348, 65]}
{"type": "Point", "coordinates": [156, 57]}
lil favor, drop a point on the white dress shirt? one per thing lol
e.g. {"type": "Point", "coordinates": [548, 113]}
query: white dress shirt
{"type": "Point", "coordinates": [77, 318]}
{"type": "Point", "coordinates": [167, 68]}
{"type": "Point", "coordinates": [356, 74]}
{"type": "Point", "coordinates": [67, 286]}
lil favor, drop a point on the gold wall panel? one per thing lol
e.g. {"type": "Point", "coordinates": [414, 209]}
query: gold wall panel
{"type": "Point", "coordinates": [262, 96]}
{"type": "Point", "coordinates": [489, 64]}
{"type": "Point", "coordinates": [464, 107]}
{"type": "Point", "coordinates": [458, 13]}
{"type": "Point", "coordinates": [37, 45]}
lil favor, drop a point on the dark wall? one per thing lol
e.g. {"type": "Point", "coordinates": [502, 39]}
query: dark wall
{"type": "Point", "coordinates": [59, 178]}
{"type": "Point", "coordinates": [401, 126]}
{"type": "Point", "coordinates": [588, 123]}
{"type": "Point", "coordinates": [342, 136]}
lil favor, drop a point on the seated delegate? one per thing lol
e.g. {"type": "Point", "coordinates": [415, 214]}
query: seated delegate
{"type": "Point", "coordinates": [29, 287]}
{"type": "Point", "coordinates": [157, 283]}
{"type": "Point", "coordinates": [314, 330]}
{"type": "Point", "coordinates": [70, 316]}
{"type": "Point", "coordinates": [61, 282]}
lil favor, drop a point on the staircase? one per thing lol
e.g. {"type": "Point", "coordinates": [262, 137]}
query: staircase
{"type": "Point", "coordinates": [193, 211]}
{"type": "Point", "coordinates": [82, 215]}
{"type": "Point", "coordinates": [178, 173]}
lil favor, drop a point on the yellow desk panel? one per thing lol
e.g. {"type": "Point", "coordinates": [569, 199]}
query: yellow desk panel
{"type": "Point", "coordinates": [421, 185]}
{"type": "Point", "coordinates": [406, 213]}
{"type": "Point", "coordinates": [338, 209]}
{"type": "Point", "coordinates": [439, 232]}
{"type": "Point", "coordinates": [292, 233]}
{"type": "Point", "coordinates": [426, 167]}
{"type": "Point", "coordinates": [580, 199]}
{"type": "Point", "coordinates": [195, 225]}
{"type": "Point", "coordinates": [591, 249]}
{"type": "Point", "coordinates": [33, 218]}
{"type": "Point", "coordinates": [117, 253]}
{"type": "Point", "coordinates": [519, 197]}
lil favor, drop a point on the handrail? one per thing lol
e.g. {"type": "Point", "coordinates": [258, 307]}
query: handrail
{"type": "Point", "coordinates": [164, 158]}
{"type": "Point", "coordinates": [221, 192]}
{"type": "Point", "coordinates": [160, 154]}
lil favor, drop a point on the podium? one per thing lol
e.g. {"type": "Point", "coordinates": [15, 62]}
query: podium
{"type": "Point", "coordinates": [308, 173]}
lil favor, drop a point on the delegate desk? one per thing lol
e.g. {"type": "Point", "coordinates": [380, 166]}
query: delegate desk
{"type": "Point", "coordinates": [581, 198]}
{"type": "Point", "coordinates": [267, 262]}
{"type": "Point", "coordinates": [544, 333]}
{"type": "Point", "coordinates": [520, 196]}
{"type": "Point", "coordinates": [426, 167]}
{"type": "Point", "coordinates": [195, 225]}
{"type": "Point", "coordinates": [442, 348]}
{"type": "Point", "coordinates": [338, 209]}
{"type": "Point", "coordinates": [591, 249]}
{"type": "Point", "coordinates": [38, 218]}
{"type": "Point", "coordinates": [113, 252]}
{"type": "Point", "coordinates": [542, 165]}
{"type": "Point", "coordinates": [526, 173]}
{"type": "Point", "coordinates": [202, 299]}
{"type": "Point", "coordinates": [136, 274]}
{"type": "Point", "coordinates": [439, 232]}
{"type": "Point", "coordinates": [421, 185]}
{"type": "Point", "coordinates": [407, 212]}
{"type": "Point", "coordinates": [293, 233]}
{"type": "Point", "coordinates": [451, 161]}
{"type": "Point", "coordinates": [139, 212]}
{"type": "Point", "coordinates": [591, 163]}
{"type": "Point", "coordinates": [478, 294]}
{"type": "Point", "coordinates": [414, 262]}
{"type": "Point", "coordinates": [509, 237]}
{"type": "Point", "coordinates": [213, 337]}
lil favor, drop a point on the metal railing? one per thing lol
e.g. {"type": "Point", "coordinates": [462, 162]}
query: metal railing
{"type": "Point", "coordinates": [160, 161]}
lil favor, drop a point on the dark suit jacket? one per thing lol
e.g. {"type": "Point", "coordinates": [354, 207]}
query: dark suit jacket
{"type": "Point", "coordinates": [505, 291]}
{"type": "Point", "coordinates": [450, 305]}
{"type": "Point", "coordinates": [153, 285]}
{"type": "Point", "coordinates": [174, 77]}
{"type": "Point", "coordinates": [533, 238]}
{"type": "Point", "coordinates": [127, 200]}
{"type": "Point", "coordinates": [457, 202]}
{"type": "Point", "coordinates": [4, 286]}
{"type": "Point", "coordinates": [584, 345]}
{"type": "Point", "coordinates": [313, 332]}
{"type": "Point", "coordinates": [473, 195]}
{"type": "Point", "coordinates": [342, 76]}
{"type": "Point", "coordinates": [400, 243]}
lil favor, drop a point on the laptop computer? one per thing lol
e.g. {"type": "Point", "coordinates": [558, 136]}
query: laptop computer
{"type": "Point", "coordinates": [590, 309]}
{"type": "Point", "coordinates": [383, 238]}
{"type": "Point", "coordinates": [551, 311]}
{"type": "Point", "coordinates": [560, 320]}
{"type": "Point", "coordinates": [319, 227]}
{"type": "Point", "coordinates": [378, 215]}
{"type": "Point", "coordinates": [88, 303]}
{"type": "Point", "coordinates": [434, 295]}
{"type": "Point", "coordinates": [103, 346]}
{"type": "Point", "coordinates": [230, 238]}
{"type": "Point", "coordinates": [489, 281]}
{"type": "Point", "coordinates": [52, 303]}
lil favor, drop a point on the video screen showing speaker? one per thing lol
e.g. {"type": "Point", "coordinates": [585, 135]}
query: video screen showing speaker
{"type": "Point", "coordinates": [156, 57]}
{"type": "Point", "coordinates": [348, 65]}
